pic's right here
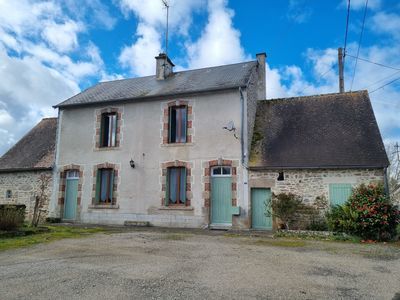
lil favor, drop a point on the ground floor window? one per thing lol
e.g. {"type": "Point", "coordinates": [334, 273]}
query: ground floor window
{"type": "Point", "coordinates": [339, 193]}
{"type": "Point", "coordinates": [104, 186]}
{"type": "Point", "coordinates": [176, 191]}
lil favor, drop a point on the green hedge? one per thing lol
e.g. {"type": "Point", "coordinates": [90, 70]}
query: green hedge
{"type": "Point", "coordinates": [11, 216]}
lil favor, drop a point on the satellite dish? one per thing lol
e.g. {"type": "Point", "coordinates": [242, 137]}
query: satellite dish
{"type": "Point", "coordinates": [230, 126]}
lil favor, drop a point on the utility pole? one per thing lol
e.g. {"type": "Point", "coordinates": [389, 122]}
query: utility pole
{"type": "Point", "coordinates": [341, 78]}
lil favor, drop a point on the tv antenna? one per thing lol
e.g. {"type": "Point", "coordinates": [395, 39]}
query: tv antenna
{"type": "Point", "coordinates": [166, 6]}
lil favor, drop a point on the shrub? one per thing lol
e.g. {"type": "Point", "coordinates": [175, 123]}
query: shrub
{"type": "Point", "coordinates": [368, 213]}
{"type": "Point", "coordinates": [284, 206]}
{"type": "Point", "coordinates": [11, 216]}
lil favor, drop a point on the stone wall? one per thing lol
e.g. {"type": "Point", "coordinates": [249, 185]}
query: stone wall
{"type": "Point", "coordinates": [23, 186]}
{"type": "Point", "coordinates": [311, 184]}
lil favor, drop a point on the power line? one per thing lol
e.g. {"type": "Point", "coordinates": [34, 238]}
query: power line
{"type": "Point", "coordinates": [321, 76]}
{"type": "Point", "coordinates": [375, 63]}
{"type": "Point", "coordinates": [359, 44]}
{"type": "Point", "coordinates": [383, 79]}
{"type": "Point", "coordinates": [347, 30]}
{"type": "Point", "coordinates": [382, 86]}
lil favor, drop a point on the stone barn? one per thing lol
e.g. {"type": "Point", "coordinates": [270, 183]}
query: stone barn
{"type": "Point", "coordinates": [23, 166]}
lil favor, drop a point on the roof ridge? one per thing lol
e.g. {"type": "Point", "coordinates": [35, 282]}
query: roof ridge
{"type": "Point", "coordinates": [314, 96]}
{"type": "Point", "coordinates": [179, 72]}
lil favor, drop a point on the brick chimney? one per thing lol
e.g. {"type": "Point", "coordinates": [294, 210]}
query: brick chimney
{"type": "Point", "coordinates": [164, 66]}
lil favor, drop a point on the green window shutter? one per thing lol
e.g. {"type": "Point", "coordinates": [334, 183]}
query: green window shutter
{"type": "Point", "coordinates": [101, 130]}
{"type": "Point", "coordinates": [185, 121]}
{"type": "Point", "coordinates": [98, 183]}
{"type": "Point", "coordinates": [183, 180]}
{"type": "Point", "coordinates": [166, 201]}
{"type": "Point", "coordinates": [111, 185]}
{"type": "Point", "coordinates": [339, 193]}
{"type": "Point", "coordinates": [169, 124]}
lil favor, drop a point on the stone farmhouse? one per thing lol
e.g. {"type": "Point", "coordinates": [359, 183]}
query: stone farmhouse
{"type": "Point", "coordinates": [203, 148]}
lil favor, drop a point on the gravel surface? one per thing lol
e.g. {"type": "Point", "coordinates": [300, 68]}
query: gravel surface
{"type": "Point", "coordinates": [155, 264]}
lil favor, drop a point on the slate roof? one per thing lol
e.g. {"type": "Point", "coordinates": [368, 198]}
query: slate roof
{"type": "Point", "coordinates": [35, 151]}
{"type": "Point", "coordinates": [185, 82]}
{"type": "Point", "coordinates": [324, 131]}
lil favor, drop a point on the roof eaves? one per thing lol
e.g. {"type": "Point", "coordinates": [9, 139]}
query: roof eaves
{"type": "Point", "coordinates": [317, 167]}
{"type": "Point", "coordinates": [12, 170]}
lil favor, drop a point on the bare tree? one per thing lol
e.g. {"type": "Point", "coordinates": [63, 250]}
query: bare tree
{"type": "Point", "coordinates": [41, 197]}
{"type": "Point", "coordinates": [393, 171]}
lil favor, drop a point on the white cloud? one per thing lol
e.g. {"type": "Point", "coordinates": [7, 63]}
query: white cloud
{"type": "Point", "coordinates": [36, 72]}
{"type": "Point", "coordinates": [386, 23]}
{"type": "Point", "coordinates": [219, 43]}
{"type": "Point", "coordinates": [139, 57]}
{"type": "Point", "coordinates": [149, 36]}
{"type": "Point", "coordinates": [63, 37]}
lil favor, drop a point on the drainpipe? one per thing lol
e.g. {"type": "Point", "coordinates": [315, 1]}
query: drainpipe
{"type": "Point", "coordinates": [242, 123]}
{"type": "Point", "coordinates": [385, 182]}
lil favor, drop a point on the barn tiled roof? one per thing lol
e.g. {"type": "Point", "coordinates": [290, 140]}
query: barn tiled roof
{"type": "Point", "coordinates": [185, 82]}
{"type": "Point", "coordinates": [34, 151]}
{"type": "Point", "coordinates": [324, 131]}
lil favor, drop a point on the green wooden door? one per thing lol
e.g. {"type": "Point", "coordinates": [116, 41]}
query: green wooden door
{"type": "Point", "coordinates": [221, 200]}
{"type": "Point", "coordinates": [71, 195]}
{"type": "Point", "coordinates": [259, 198]}
{"type": "Point", "coordinates": [339, 193]}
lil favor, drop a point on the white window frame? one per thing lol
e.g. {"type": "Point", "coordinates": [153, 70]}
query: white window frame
{"type": "Point", "coordinates": [72, 174]}
{"type": "Point", "coordinates": [221, 175]}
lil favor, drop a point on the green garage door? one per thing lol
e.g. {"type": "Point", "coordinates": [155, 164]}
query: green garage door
{"type": "Point", "coordinates": [259, 198]}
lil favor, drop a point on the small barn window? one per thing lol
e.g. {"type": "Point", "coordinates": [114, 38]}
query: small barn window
{"type": "Point", "coordinates": [281, 176]}
{"type": "Point", "coordinates": [8, 194]}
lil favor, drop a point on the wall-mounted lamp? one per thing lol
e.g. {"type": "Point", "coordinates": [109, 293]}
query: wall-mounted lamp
{"type": "Point", "coordinates": [132, 163]}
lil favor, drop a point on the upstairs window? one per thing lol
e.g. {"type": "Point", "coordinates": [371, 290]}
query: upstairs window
{"type": "Point", "coordinates": [108, 134]}
{"type": "Point", "coordinates": [176, 186]}
{"type": "Point", "coordinates": [104, 186]}
{"type": "Point", "coordinates": [177, 124]}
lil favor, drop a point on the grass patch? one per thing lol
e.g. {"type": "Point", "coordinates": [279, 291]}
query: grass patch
{"type": "Point", "coordinates": [232, 235]}
{"type": "Point", "coordinates": [54, 233]}
{"type": "Point", "coordinates": [281, 243]}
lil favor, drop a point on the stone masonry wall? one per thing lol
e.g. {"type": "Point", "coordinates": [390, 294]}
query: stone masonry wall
{"type": "Point", "coordinates": [23, 186]}
{"type": "Point", "coordinates": [312, 183]}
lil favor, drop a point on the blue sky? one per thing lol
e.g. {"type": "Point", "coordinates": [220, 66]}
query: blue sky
{"type": "Point", "coordinates": [52, 49]}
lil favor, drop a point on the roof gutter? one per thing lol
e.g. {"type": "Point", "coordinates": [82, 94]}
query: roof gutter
{"type": "Point", "coordinates": [260, 168]}
{"type": "Point", "coordinates": [156, 97]}
{"type": "Point", "coordinates": [14, 170]}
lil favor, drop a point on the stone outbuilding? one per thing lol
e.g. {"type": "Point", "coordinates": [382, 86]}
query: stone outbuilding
{"type": "Point", "coordinates": [317, 147]}
{"type": "Point", "coordinates": [23, 166]}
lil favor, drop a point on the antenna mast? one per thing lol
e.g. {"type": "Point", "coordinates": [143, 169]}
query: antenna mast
{"type": "Point", "coordinates": [165, 2]}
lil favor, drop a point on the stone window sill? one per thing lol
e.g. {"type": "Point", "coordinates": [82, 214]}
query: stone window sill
{"type": "Point", "coordinates": [176, 207]}
{"type": "Point", "coordinates": [107, 148]}
{"type": "Point", "coordinates": [177, 144]}
{"type": "Point", "coordinates": [103, 206]}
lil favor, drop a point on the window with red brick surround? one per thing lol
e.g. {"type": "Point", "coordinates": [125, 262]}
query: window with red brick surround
{"type": "Point", "coordinates": [111, 192]}
{"type": "Point", "coordinates": [108, 128]}
{"type": "Point", "coordinates": [177, 122]}
{"type": "Point", "coordinates": [166, 168]}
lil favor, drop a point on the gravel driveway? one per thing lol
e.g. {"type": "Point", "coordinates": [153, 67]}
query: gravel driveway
{"type": "Point", "coordinates": [168, 264]}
